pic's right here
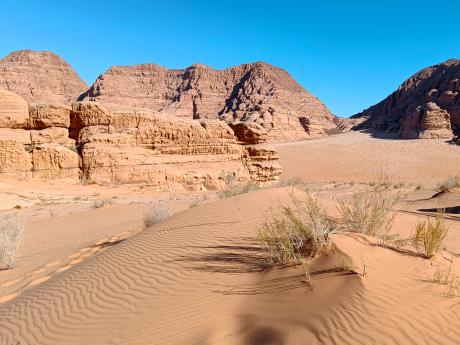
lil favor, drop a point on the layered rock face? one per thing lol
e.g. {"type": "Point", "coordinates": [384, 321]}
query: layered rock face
{"type": "Point", "coordinates": [136, 145]}
{"type": "Point", "coordinates": [40, 77]}
{"type": "Point", "coordinates": [427, 105]}
{"type": "Point", "coordinates": [34, 141]}
{"type": "Point", "coordinates": [255, 92]}
{"type": "Point", "coordinates": [128, 146]}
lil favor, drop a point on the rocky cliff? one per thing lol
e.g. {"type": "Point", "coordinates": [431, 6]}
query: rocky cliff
{"type": "Point", "coordinates": [34, 141]}
{"type": "Point", "coordinates": [90, 142]}
{"type": "Point", "coordinates": [137, 145]}
{"type": "Point", "coordinates": [256, 92]}
{"type": "Point", "coordinates": [427, 105]}
{"type": "Point", "coordinates": [40, 77]}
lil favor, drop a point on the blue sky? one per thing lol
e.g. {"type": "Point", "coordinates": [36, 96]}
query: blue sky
{"type": "Point", "coordinates": [351, 54]}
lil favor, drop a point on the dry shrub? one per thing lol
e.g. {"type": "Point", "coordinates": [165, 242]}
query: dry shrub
{"type": "Point", "coordinates": [449, 184]}
{"type": "Point", "coordinates": [235, 188]}
{"type": "Point", "coordinates": [295, 181]}
{"type": "Point", "coordinates": [199, 200]}
{"type": "Point", "coordinates": [448, 278]}
{"type": "Point", "coordinates": [429, 235]}
{"type": "Point", "coordinates": [101, 203]}
{"type": "Point", "coordinates": [370, 212]}
{"type": "Point", "coordinates": [11, 229]}
{"type": "Point", "coordinates": [295, 232]}
{"type": "Point", "coordinates": [157, 213]}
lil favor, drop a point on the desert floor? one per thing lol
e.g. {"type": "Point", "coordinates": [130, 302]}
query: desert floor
{"type": "Point", "coordinates": [92, 275]}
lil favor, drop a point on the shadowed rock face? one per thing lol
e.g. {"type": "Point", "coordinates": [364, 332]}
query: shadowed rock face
{"type": "Point", "coordinates": [427, 105]}
{"type": "Point", "coordinates": [256, 92]}
{"type": "Point", "coordinates": [40, 77]}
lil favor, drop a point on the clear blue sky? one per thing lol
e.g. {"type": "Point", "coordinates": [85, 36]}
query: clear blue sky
{"type": "Point", "coordinates": [351, 54]}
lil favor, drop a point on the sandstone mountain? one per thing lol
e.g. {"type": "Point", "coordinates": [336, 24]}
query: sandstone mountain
{"type": "Point", "coordinates": [427, 105]}
{"type": "Point", "coordinates": [40, 77]}
{"type": "Point", "coordinates": [256, 92]}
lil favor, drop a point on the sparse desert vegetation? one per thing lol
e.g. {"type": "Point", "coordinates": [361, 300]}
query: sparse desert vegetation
{"type": "Point", "coordinates": [449, 185]}
{"type": "Point", "coordinates": [296, 232]}
{"type": "Point", "coordinates": [158, 212]}
{"type": "Point", "coordinates": [11, 229]}
{"type": "Point", "coordinates": [236, 188]}
{"type": "Point", "coordinates": [370, 212]}
{"type": "Point", "coordinates": [429, 235]}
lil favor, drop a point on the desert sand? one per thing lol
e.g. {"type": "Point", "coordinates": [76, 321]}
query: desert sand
{"type": "Point", "coordinates": [89, 275]}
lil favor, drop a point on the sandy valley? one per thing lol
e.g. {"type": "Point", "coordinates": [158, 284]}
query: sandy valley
{"type": "Point", "coordinates": [200, 277]}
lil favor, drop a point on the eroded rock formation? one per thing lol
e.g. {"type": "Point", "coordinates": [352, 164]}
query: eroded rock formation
{"type": "Point", "coordinates": [35, 141]}
{"type": "Point", "coordinates": [427, 105]}
{"type": "Point", "coordinates": [137, 145]}
{"type": "Point", "coordinates": [40, 77]}
{"type": "Point", "coordinates": [256, 92]}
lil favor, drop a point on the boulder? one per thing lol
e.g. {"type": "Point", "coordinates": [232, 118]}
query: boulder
{"type": "Point", "coordinates": [45, 115]}
{"type": "Point", "coordinates": [14, 110]}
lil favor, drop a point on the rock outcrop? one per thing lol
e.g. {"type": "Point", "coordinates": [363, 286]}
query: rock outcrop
{"type": "Point", "coordinates": [40, 77]}
{"type": "Point", "coordinates": [256, 92]}
{"type": "Point", "coordinates": [137, 145]}
{"type": "Point", "coordinates": [34, 142]}
{"type": "Point", "coordinates": [427, 105]}
{"type": "Point", "coordinates": [91, 142]}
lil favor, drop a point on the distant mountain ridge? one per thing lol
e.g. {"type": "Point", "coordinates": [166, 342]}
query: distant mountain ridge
{"type": "Point", "coordinates": [40, 77]}
{"type": "Point", "coordinates": [427, 105]}
{"type": "Point", "coordinates": [256, 92]}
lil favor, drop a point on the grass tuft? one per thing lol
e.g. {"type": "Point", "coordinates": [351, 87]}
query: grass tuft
{"type": "Point", "coordinates": [156, 214]}
{"type": "Point", "coordinates": [370, 212]}
{"type": "Point", "coordinates": [294, 233]}
{"type": "Point", "coordinates": [448, 185]}
{"type": "Point", "coordinates": [429, 235]}
{"type": "Point", "coordinates": [11, 229]}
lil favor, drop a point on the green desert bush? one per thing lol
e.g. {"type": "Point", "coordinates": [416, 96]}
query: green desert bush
{"type": "Point", "coordinates": [370, 212]}
{"type": "Point", "coordinates": [156, 214]}
{"type": "Point", "coordinates": [295, 231]}
{"type": "Point", "coordinates": [449, 184]}
{"type": "Point", "coordinates": [429, 235]}
{"type": "Point", "coordinates": [11, 229]}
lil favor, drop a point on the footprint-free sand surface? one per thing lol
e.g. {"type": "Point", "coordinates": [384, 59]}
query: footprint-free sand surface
{"type": "Point", "coordinates": [359, 157]}
{"type": "Point", "coordinates": [200, 277]}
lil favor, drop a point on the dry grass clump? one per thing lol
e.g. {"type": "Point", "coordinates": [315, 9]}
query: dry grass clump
{"type": "Point", "coordinates": [235, 188]}
{"type": "Point", "coordinates": [101, 203]}
{"type": "Point", "coordinates": [295, 181]}
{"type": "Point", "coordinates": [294, 233]}
{"type": "Point", "coordinates": [11, 229]}
{"type": "Point", "coordinates": [449, 279]}
{"type": "Point", "coordinates": [370, 212]}
{"type": "Point", "coordinates": [429, 235]}
{"type": "Point", "coordinates": [156, 214]}
{"type": "Point", "coordinates": [199, 200]}
{"type": "Point", "coordinates": [449, 184]}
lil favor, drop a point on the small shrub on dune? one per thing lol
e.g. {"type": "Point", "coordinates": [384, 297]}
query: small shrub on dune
{"type": "Point", "coordinates": [448, 185]}
{"type": "Point", "coordinates": [156, 214]}
{"type": "Point", "coordinates": [11, 229]}
{"type": "Point", "coordinates": [370, 212]}
{"type": "Point", "coordinates": [429, 235]}
{"type": "Point", "coordinates": [235, 188]}
{"type": "Point", "coordinates": [295, 181]}
{"type": "Point", "coordinates": [294, 233]}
